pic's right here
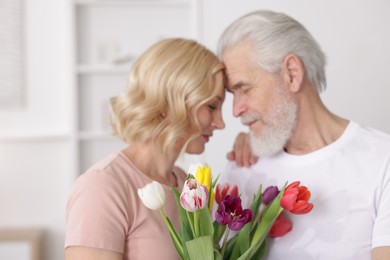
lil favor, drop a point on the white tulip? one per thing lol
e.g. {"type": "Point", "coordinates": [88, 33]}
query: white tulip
{"type": "Point", "coordinates": [152, 195]}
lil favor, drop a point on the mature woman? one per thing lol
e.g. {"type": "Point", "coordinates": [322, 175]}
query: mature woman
{"type": "Point", "coordinates": [172, 105]}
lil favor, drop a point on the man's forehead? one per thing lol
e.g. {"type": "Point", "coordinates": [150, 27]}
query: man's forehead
{"type": "Point", "coordinates": [234, 82]}
{"type": "Point", "coordinates": [238, 64]}
{"type": "Point", "coordinates": [237, 74]}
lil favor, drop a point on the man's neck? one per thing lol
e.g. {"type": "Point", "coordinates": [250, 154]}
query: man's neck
{"type": "Point", "coordinates": [316, 126]}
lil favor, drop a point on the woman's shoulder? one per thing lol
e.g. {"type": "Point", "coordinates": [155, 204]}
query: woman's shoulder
{"type": "Point", "coordinates": [111, 174]}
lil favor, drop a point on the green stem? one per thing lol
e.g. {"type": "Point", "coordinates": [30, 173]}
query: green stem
{"type": "Point", "coordinates": [257, 220]}
{"type": "Point", "coordinates": [175, 236]}
{"type": "Point", "coordinates": [226, 236]}
{"type": "Point", "coordinates": [196, 223]}
{"type": "Point", "coordinates": [262, 230]}
{"type": "Point", "coordinates": [191, 221]}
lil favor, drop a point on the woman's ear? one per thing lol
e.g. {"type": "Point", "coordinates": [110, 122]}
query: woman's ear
{"type": "Point", "coordinates": [293, 72]}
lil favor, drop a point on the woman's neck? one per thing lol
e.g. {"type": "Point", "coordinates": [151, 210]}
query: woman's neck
{"type": "Point", "coordinates": [153, 163]}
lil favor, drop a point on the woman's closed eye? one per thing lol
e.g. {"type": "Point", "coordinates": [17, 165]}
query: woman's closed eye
{"type": "Point", "coordinates": [212, 106]}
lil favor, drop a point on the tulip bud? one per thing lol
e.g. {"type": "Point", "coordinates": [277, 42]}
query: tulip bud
{"type": "Point", "coordinates": [269, 194]}
{"type": "Point", "coordinates": [194, 196]}
{"type": "Point", "coordinates": [152, 195]}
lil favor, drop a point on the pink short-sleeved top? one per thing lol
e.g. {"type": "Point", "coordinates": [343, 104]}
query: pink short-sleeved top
{"type": "Point", "coordinates": [105, 212]}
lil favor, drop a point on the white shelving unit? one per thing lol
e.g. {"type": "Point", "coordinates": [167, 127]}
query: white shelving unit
{"type": "Point", "coordinates": [109, 36]}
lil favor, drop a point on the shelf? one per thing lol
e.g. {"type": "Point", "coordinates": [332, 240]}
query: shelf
{"type": "Point", "coordinates": [96, 135]}
{"type": "Point", "coordinates": [146, 3]}
{"type": "Point", "coordinates": [103, 68]}
{"type": "Point", "coordinates": [33, 137]}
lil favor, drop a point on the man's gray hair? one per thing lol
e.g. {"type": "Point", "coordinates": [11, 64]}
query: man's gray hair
{"type": "Point", "coordinates": [274, 36]}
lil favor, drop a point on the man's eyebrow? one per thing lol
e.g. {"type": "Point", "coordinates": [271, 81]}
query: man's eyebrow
{"type": "Point", "coordinates": [236, 86]}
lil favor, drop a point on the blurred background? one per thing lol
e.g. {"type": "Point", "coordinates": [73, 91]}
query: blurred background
{"type": "Point", "coordinates": [66, 58]}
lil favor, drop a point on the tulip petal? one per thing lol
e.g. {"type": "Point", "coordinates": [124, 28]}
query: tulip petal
{"type": "Point", "coordinates": [280, 227]}
{"type": "Point", "coordinates": [222, 190]}
{"type": "Point", "coordinates": [302, 207]}
{"type": "Point", "coordinates": [194, 196]}
{"type": "Point", "coordinates": [288, 201]}
{"type": "Point", "coordinates": [304, 193]}
{"type": "Point", "coordinates": [152, 195]}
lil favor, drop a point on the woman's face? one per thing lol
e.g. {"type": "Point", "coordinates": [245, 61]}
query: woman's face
{"type": "Point", "coordinates": [210, 118]}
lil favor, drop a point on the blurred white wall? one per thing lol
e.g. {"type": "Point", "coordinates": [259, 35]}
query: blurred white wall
{"type": "Point", "coordinates": [35, 170]}
{"type": "Point", "coordinates": [35, 173]}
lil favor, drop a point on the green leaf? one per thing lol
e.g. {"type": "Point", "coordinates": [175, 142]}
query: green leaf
{"type": "Point", "coordinates": [229, 247]}
{"type": "Point", "coordinates": [244, 238]}
{"type": "Point", "coordinates": [217, 255]}
{"type": "Point", "coordinates": [258, 254]}
{"type": "Point", "coordinates": [269, 216]}
{"type": "Point", "coordinates": [214, 182]}
{"type": "Point", "coordinates": [186, 232]}
{"type": "Point", "coordinates": [255, 205]}
{"type": "Point", "coordinates": [219, 230]}
{"type": "Point", "coordinates": [206, 227]}
{"type": "Point", "coordinates": [201, 248]}
{"type": "Point", "coordinates": [177, 242]}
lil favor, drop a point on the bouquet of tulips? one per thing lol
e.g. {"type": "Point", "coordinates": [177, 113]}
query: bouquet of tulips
{"type": "Point", "coordinates": [203, 238]}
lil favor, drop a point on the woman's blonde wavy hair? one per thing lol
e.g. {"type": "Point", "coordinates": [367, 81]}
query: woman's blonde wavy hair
{"type": "Point", "coordinates": [166, 87]}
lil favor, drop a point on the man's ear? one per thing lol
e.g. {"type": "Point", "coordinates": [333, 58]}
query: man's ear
{"type": "Point", "coordinates": [293, 72]}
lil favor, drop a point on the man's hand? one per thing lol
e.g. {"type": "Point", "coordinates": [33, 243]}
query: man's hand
{"type": "Point", "coordinates": [242, 152]}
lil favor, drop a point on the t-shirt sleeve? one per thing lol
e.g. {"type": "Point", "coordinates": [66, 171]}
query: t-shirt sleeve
{"type": "Point", "coordinates": [96, 213]}
{"type": "Point", "coordinates": [381, 231]}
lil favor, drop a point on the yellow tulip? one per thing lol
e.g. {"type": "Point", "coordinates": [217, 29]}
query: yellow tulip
{"type": "Point", "coordinates": [202, 174]}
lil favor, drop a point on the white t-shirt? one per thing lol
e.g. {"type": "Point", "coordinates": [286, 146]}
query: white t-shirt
{"type": "Point", "coordinates": [349, 182]}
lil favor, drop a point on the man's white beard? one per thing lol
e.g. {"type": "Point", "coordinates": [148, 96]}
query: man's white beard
{"type": "Point", "coordinates": [275, 134]}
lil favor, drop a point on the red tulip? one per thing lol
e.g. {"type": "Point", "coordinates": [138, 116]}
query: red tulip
{"type": "Point", "coordinates": [222, 190]}
{"type": "Point", "coordinates": [295, 199]}
{"type": "Point", "coordinates": [280, 227]}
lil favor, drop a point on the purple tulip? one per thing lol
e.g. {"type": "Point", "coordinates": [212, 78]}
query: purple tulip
{"type": "Point", "coordinates": [269, 194]}
{"type": "Point", "coordinates": [230, 213]}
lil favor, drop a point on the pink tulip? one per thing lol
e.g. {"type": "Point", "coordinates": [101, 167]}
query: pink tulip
{"type": "Point", "coordinates": [194, 196]}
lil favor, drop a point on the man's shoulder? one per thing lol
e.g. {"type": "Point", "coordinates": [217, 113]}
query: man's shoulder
{"type": "Point", "coordinates": [371, 135]}
{"type": "Point", "coordinates": [369, 142]}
